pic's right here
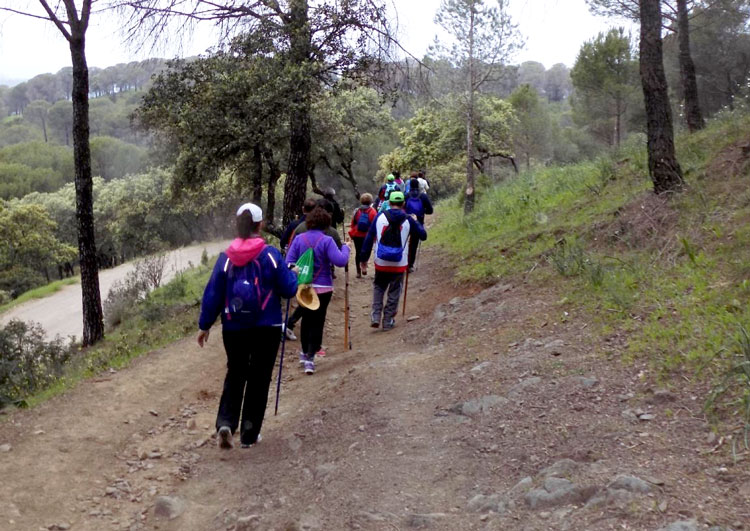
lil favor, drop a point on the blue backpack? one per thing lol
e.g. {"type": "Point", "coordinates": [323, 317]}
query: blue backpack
{"type": "Point", "coordinates": [244, 296]}
{"type": "Point", "coordinates": [390, 187]}
{"type": "Point", "coordinates": [390, 246]}
{"type": "Point", "coordinates": [363, 221]}
{"type": "Point", "coordinates": [414, 205]}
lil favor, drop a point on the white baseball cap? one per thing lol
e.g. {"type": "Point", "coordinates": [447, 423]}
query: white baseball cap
{"type": "Point", "coordinates": [254, 210]}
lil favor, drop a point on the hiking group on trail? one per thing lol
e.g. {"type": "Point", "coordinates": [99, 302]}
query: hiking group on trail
{"type": "Point", "coordinates": [250, 279]}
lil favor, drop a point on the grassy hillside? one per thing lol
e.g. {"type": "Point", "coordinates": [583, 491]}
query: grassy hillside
{"type": "Point", "coordinates": [671, 272]}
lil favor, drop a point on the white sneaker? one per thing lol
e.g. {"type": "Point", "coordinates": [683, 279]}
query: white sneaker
{"type": "Point", "coordinates": [289, 333]}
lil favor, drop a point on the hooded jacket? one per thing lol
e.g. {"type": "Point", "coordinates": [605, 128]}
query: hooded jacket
{"type": "Point", "coordinates": [409, 229]}
{"type": "Point", "coordinates": [276, 281]}
{"type": "Point", "coordinates": [363, 210]}
{"type": "Point", "coordinates": [426, 204]}
{"type": "Point", "coordinates": [325, 254]}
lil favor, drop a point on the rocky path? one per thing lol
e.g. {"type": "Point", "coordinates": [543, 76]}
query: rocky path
{"type": "Point", "coordinates": [61, 314]}
{"type": "Point", "coordinates": [493, 410]}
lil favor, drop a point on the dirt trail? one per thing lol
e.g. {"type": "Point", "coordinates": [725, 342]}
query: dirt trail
{"type": "Point", "coordinates": [492, 411]}
{"type": "Point", "coordinates": [61, 314]}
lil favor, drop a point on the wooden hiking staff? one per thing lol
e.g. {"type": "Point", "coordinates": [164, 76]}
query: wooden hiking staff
{"type": "Point", "coordinates": [406, 290]}
{"type": "Point", "coordinates": [347, 323]}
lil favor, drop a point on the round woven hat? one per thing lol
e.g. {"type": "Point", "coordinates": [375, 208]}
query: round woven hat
{"type": "Point", "coordinates": [307, 297]}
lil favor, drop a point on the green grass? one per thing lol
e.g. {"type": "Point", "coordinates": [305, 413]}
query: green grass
{"type": "Point", "coordinates": [40, 292]}
{"type": "Point", "coordinates": [681, 293]}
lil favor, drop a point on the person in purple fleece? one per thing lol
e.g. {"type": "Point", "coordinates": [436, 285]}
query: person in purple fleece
{"type": "Point", "coordinates": [325, 253]}
{"type": "Point", "coordinates": [251, 324]}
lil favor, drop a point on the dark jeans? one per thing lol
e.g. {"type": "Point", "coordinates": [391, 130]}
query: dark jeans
{"type": "Point", "coordinates": [413, 246]}
{"type": "Point", "coordinates": [295, 317]}
{"type": "Point", "coordinates": [390, 283]}
{"type": "Point", "coordinates": [357, 251]}
{"type": "Point", "coordinates": [251, 355]}
{"type": "Point", "coordinates": [311, 332]}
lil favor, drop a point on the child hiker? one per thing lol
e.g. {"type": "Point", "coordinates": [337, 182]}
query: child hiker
{"type": "Point", "coordinates": [325, 254]}
{"type": "Point", "coordinates": [360, 225]}
{"type": "Point", "coordinates": [391, 232]}
{"type": "Point", "coordinates": [245, 287]}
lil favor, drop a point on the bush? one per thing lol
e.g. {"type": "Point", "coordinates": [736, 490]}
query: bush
{"type": "Point", "coordinates": [28, 362]}
{"type": "Point", "coordinates": [123, 296]}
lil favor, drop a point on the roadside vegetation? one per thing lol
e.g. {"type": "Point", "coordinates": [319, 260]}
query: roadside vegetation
{"type": "Point", "coordinates": [673, 273]}
{"type": "Point", "coordinates": [33, 369]}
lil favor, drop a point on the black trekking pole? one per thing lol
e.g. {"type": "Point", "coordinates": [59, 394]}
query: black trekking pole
{"type": "Point", "coordinates": [281, 362]}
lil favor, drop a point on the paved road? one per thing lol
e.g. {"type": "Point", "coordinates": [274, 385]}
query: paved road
{"type": "Point", "coordinates": [61, 314]}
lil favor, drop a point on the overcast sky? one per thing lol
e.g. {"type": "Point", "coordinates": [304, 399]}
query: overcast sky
{"type": "Point", "coordinates": [553, 31]}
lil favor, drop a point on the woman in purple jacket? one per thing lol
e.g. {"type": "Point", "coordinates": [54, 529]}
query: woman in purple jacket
{"type": "Point", "coordinates": [325, 254]}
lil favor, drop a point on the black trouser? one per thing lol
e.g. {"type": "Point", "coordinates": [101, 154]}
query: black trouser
{"type": "Point", "coordinates": [251, 355]}
{"type": "Point", "coordinates": [358, 241]}
{"type": "Point", "coordinates": [413, 246]}
{"type": "Point", "coordinates": [296, 316]}
{"type": "Point", "coordinates": [313, 321]}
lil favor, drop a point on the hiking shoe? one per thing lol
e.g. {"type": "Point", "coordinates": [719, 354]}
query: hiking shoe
{"type": "Point", "coordinates": [225, 438]}
{"type": "Point", "coordinates": [374, 324]}
{"type": "Point", "coordinates": [388, 325]}
{"type": "Point", "coordinates": [321, 353]}
{"type": "Point", "coordinates": [289, 333]}
{"type": "Point", "coordinates": [302, 357]}
{"type": "Point", "coordinates": [309, 366]}
{"type": "Point", "coordinates": [245, 445]}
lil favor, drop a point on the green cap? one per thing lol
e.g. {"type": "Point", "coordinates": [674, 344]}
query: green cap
{"type": "Point", "coordinates": [396, 197]}
{"type": "Point", "coordinates": [390, 177]}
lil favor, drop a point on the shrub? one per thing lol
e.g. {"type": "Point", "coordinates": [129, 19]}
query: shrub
{"type": "Point", "coordinates": [123, 296]}
{"type": "Point", "coordinates": [28, 362]}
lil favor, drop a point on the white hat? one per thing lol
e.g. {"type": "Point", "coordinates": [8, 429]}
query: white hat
{"type": "Point", "coordinates": [254, 210]}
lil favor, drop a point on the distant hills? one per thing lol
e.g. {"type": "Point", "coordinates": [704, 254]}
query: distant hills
{"type": "Point", "coordinates": [10, 81]}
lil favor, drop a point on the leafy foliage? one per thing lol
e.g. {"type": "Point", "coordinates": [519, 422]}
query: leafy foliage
{"type": "Point", "coordinates": [29, 363]}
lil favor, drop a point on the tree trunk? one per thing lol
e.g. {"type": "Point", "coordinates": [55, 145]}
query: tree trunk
{"type": "Point", "coordinates": [93, 323]}
{"type": "Point", "coordinates": [274, 174]}
{"type": "Point", "coordinates": [470, 197]}
{"type": "Point", "coordinates": [693, 115]}
{"type": "Point", "coordinates": [300, 140]}
{"type": "Point", "coordinates": [662, 164]}
{"type": "Point", "coordinates": [257, 174]}
{"type": "Point", "coordinates": [618, 123]}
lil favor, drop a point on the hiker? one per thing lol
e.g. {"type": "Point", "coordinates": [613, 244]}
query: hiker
{"type": "Point", "coordinates": [424, 184]}
{"type": "Point", "coordinates": [337, 216]}
{"type": "Point", "coordinates": [325, 254]}
{"type": "Point", "coordinates": [385, 190]}
{"type": "Point", "coordinates": [288, 234]}
{"type": "Point", "coordinates": [417, 204]}
{"type": "Point", "coordinates": [310, 205]}
{"type": "Point", "coordinates": [361, 221]}
{"type": "Point", "coordinates": [391, 231]}
{"type": "Point", "coordinates": [250, 319]}
{"type": "Point", "coordinates": [397, 179]}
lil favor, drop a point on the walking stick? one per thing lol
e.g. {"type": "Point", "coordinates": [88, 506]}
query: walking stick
{"type": "Point", "coordinates": [281, 362]}
{"type": "Point", "coordinates": [347, 322]}
{"type": "Point", "coordinates": [406, 290]}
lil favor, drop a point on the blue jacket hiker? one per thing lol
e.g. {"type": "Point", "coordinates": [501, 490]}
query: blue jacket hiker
{"type": "Point", "coordinates": [325, 254]}
{"type": "Point", "coordinates": [390, 234]}
{"type": "Point", "coordinates": [419, 205]}
{"type": "Point", "coordinates": [245, 288]}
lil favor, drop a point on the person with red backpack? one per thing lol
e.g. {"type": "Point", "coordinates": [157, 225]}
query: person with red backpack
{"type": "Point", "coordinates": [246, 286]}
{"type": "Point", "coordinates": [417, 204]}
{"type": "Point", "coordinates": [325, 254]}
{"type": "Point", "coordinates": [391, 233]}
{"type": "Point", "coordinates": [360, 226]}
